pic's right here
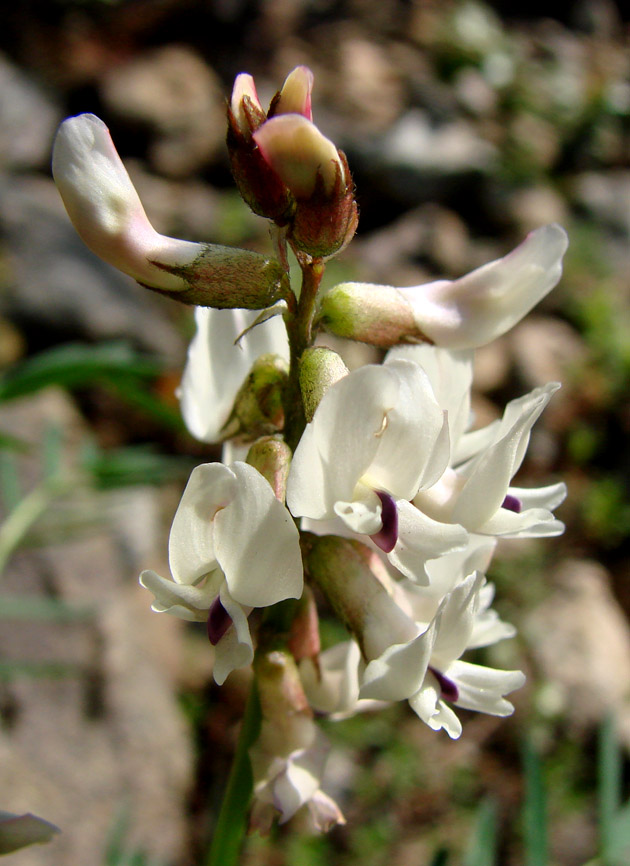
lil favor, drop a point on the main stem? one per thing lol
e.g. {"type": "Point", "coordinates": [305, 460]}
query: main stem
{"type": "Point", "coordinates": [300, 333]}
{"type": "Point", "coordinates": [231, 825]}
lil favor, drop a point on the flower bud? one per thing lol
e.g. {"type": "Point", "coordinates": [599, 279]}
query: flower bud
{"type": "Point", "coordinates": [258, 409]}
{"type": "Point", "coordinates": [347, 573]}
{"type": "Point", "coordinates": [107, 213]}
{"type": "Point", "coordinates": [286, 170]}
{"type": "Point", "coordinates": [319, 369]}
{"type": "Point", "coordinates": [271, 456]}
{"type": "Point", "coordinates": [458, 314]}
{"type": "Point", "coordinates": [299, 154]}
{"type": "Point", "coordinates": [295, 96]}
{"type": "Point", "coordinates": [245, 106]}
{"type": "Point", "coordinates": [258, 184]}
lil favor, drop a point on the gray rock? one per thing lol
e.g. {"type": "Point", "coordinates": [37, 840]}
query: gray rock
{"type": "Point", "coordinates": [105, 737]}
{"type": "Point", "coordinates": [57, 284]}
{"type": "Point", "coordinates": [579, 637]}
{"type": "Point", "coordinates": [28, 118]}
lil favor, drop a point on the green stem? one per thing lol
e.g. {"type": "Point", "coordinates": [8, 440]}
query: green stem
{"type": "Point", "coordinates": [300, 333]}
{"type": "Point", "coordinates": [231, 825]}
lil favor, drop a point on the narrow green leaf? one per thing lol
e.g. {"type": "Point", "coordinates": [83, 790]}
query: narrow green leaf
{"type": "Point", "coordinates": [534, 810]}
{"type": "Point", "coordinates": [10, 485]}
{"type": "Point", "coordinates": [27, 512]}
{"type": "Point", "coordinates": [482, 850]}
{"type": "Point", "coordinates": [71, 365]}
{"type": "Point", "coordinates": [52, 450]}
{"type": "Point", "coordinates": [608, 784]}
{"type": "Point", "coordinates": [36, 609]}
{"type": "Point", "coordinates": [231, 825]}
{"type": "Point", "coordinates": [11, 670]}
{"type": "Point", "coordinates": [617, 850]}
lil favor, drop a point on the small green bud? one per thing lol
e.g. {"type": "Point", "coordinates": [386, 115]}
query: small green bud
{"type": "Point", "coordinates": [319, 369]}
{"type": "Point", "coordinates": [271, 456]}
{"type": "Point", "coordinates": [258, 409]}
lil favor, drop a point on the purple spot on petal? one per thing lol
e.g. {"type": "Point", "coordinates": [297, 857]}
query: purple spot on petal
{"type": "Point", "coordinates": [387, 536]}
{"type": "Point", "coordinates": [448, 689]}
{"type": "Point", "coordinates": [219, 621]}
{"type": "Point", "coordinates": [512, 504]}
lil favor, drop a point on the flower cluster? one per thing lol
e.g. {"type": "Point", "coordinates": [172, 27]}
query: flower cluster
{"type": "Point", "coordinates": [370, 485]}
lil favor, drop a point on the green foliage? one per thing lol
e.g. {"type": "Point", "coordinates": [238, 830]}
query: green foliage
{"type": "Point", "coordinates": [535, 842]}
{"type": "Point", "coordinates": [118, 852]}
{"type": "Point", "coordinates": [231, 824]}
{"type": "Point", "coordinates": [482, 848]}
{"type": "Point", "coordinates": [606, 511]}
{"type": "Point", "coordinates": [74, 365]}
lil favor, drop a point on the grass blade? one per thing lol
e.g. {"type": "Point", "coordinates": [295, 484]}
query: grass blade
{"type": "Point", "coordinates": [535, 834]}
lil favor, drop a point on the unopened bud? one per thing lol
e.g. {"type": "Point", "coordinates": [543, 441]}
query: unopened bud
{"type": "Point", "coordinates": [347, 573]}
{"type": "Point", "coordinates": [304, 642]}
{"type": "Point", "coordinates": [326, 222]}
{"type": "Point", "coordinates": [287, 170]}
{"type": "Point", "coordinates": [295, 95]}
{"type": "Point", "coordinates": [271, 456]}
{"type": "Point", "coordinates": [258, 409]}
{"type": "Point", "coordinates": [245, 106]}
{"type": "Point", "coordinates": [320, 368]}
{"type": "Point", "coordinates": [299, 154]}
{"type": "Point", "coordinates": [107, 213]}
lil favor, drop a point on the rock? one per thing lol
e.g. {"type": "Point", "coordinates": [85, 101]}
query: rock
{"type": "Point", "coordinates": [28, 118]}
{"type": "Point", "coordinates": [607, 196]}
{"type": "Point", "coordinates": [175, 92]}
{"type": "Point", "coordinates": [536, 206]}
{"type": "Point", "coordinates": [547, 350]}
{"type": "Point", "coordinates": [59, 290]}
{"type": "Point", "coordinates": [550, 350]}
{"type": "Point", "coordinates": [104, 737]}
{"type": "Point", "coordinates": [447, 148]}
{"type": "Point", "coordinates": [580, 639]}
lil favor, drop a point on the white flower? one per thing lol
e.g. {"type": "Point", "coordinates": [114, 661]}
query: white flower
{"type": "Point", "coordinates": [104, 206]}
{"type": "Point", "coordinates": [331, 683]}
{"type": "Point", "coordinates": [483, 305]}
{"type": "Point", "coordinates": [427, 671]}
{"type": "Point", "coordinates": [218, 363]}
{"type": "Point", "coordinates": [285, 783]}
{"type": "Point", "coordinates": [107, 213]}
{"type": "Point", "coordinates": [377, 437]}
{"type": "Point", "coordinates": [477, 493]}
{"type": "Point", "coordinates": [457, 314]}
{"type": "Point", "coordinates": [289, 755]}
{"type": "Point", "coordinates": [233, 546]}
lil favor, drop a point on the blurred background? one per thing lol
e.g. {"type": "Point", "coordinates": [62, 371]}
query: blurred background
{"type": "Point", "coordinates": [466, 125]}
